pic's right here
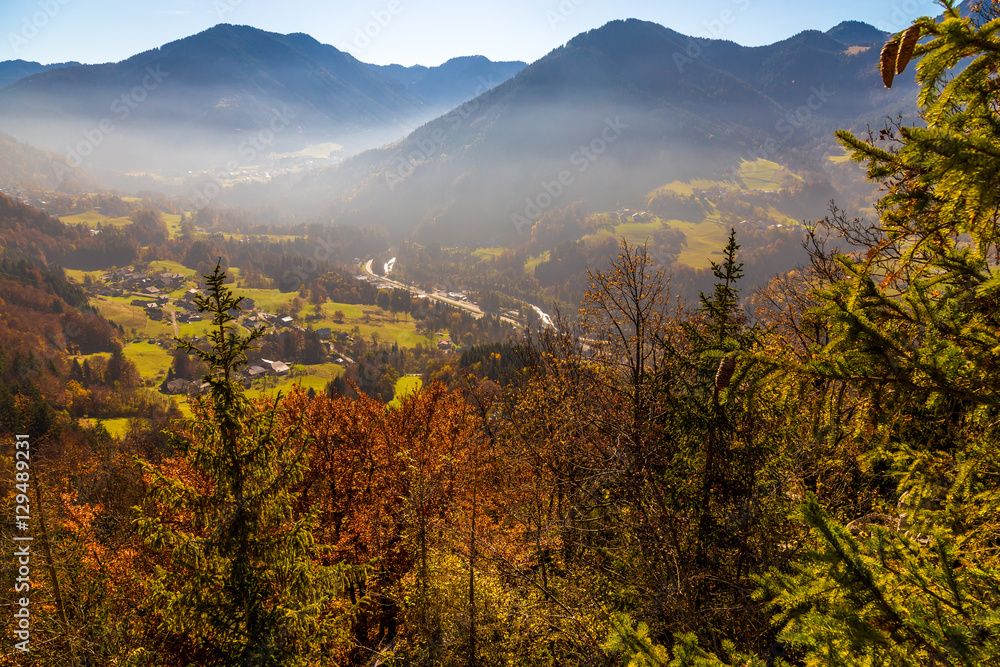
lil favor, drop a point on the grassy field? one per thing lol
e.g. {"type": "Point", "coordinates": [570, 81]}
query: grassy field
{"type": "Point", "coordinates": [403, 330]}
{"type": "Point", "coordinates": [92, 218]}
{"type": "Point", "coordinates": [174, 267]}
{"type": "Point", "coordinates": [154, 267]}
{"type": "Point", "coordinates": [758, 174]}
{"type": "Point", "coordinates": [273, 238]}
{"type": "Point", "coordinates": [406, 385]}
{"type": "Point", "coordinates": [636, 233]}
{"type": "Point", "coordinates": [118, 428]}
{"type": "Point", "coordinates": [688, 188]}
{"type": "Point", "coordinates": [84, 357]}
{"type": "Point", "coordinates": [840, 157]}
{"type": "Point", "coordinates": [267, 300]}
{"type": "Point", "coordinates": [775, 214]}
{"type": "Point", "coordinates": [765, 175]}
{"type": "Point", "coordinates": [316, 377]}
{"type": "Point", "coordinates": [348, 309]}
{"type": "Point", "coordinates": [173, 221]}
{"type": "Point", "coordinates": [152, 361]}
{"type": "Point", "coordinates": [399, 327]}
{"type": "Point", "coordinates": [78, 276]}
{"type": "Point", "coordinates": [704, 240]}
{"type": "Point", "coordinates": [488, 253]}
{"type": "Point", "coordinates": [132, 318]}
{"type": "Point", "coordinates": [120, 311]}
{"type": "Point", "coordinates": [529, 266]}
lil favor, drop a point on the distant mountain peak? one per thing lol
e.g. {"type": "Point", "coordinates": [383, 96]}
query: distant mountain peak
{"type": "Point", "coordinates": [856, 33]}
{"type": "Point", "coordinates": [223, 86]}
{"type": "Point", "coordinates": [14, 70]}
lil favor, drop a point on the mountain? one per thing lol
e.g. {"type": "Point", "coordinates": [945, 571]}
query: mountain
{"type": "Point", "coordinates": [455, 81]}
{"type": "Point", "coordinates": [610, 116]}
{"type": "Point", "coordinates": [791, 70]}
{"type": "Point", "coordinates": [14, 70]}
{"type": "Point", "coordinates": [856, 33]}
{"type": "Point", "coordinates": [27, 168]}
{"type": "Point", "coordinates": [976, 8]}
{"type": "Point", "coordinates": [225, 95]}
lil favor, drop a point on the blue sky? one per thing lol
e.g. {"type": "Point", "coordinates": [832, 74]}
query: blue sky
{"type": "Point", "coordinates": [412, 31]}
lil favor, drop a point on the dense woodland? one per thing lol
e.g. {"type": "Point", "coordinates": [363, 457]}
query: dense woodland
{"type": "Point", "coordinates": [805, 475]}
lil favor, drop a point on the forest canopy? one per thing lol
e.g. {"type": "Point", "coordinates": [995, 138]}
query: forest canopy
{"type": "Point", "coordinates": [808, 474]}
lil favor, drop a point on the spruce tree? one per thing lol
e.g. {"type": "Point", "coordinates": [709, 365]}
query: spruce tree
{"type": "Point", "coordinates": [240, 574]}
{"type": "Point", "coordinates": [911, 369]}
{"type": "Point", "coordinates": [721, 309]}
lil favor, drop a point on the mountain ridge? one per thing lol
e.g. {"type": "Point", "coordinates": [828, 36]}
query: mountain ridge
{"type": "Point", "coordinates": [689, 112]}
{"type": "Point", "coordinates": [15, 70]}
{"type": "Point", "coordinates": [219, 86]}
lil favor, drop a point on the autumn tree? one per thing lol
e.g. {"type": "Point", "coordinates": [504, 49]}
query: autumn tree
{"type": "Point", "coordinates": [622, 314]}
{"type": "Point", "coordinates": [710, 518]}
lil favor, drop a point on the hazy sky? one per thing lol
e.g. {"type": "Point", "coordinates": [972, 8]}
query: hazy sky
{"type": "Point", "coordinates": [412, 31]}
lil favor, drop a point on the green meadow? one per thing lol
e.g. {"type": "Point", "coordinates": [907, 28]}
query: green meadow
{"type": "Point", "coordinates": [92, 218]}
{"type": "Point", "coordinates": [688, 188]}
{"type": "Point", "coordinates": [487, 253]}
{"type": "Point", "coordinates": [529, 266]}
{"type": "Point", "coordinates": [765, 175]}
{"type": "Point", "coordinates": [308, 377]}
{"type": "Point", "coordinates": [406, 385]}
{"type": "Point", "coordinates": [118, 428]}
{"type": "Point", "coordinates": [173, 221]}
{"type": "Point", "coordinates": [152, 361]}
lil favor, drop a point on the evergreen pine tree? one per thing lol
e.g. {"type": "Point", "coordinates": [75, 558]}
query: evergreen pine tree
{"type": "Point", "coordinates": [911, 368]}
{"type": "Point", "coordinates": [240, 574]}
{"type": "Point", "coordinates": [721, 308]}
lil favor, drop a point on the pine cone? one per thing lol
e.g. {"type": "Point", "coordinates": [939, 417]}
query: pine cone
{"type": "Point", "coordinates": [725, 373]}
{"type": "Point", "coordinates": [906, 46]}
{"type": "Point", "coordinates": [888, 62]}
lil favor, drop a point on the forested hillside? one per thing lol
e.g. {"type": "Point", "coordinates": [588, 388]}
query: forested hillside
{"type": "Point", "coordinates": [808, 476]}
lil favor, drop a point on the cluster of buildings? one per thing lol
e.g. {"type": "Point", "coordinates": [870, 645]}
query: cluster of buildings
{"type": "Point", "coordinates": [263, 369]}
{"type": "Point", "coordinates": [151, 284]}
{"type": "Point", "coordinates": [153, 309]}
{"type": "Point", "coordinates": [256, 320]}
{"type": "Point", "coordinates": [180, 386]}
{"type": "Point", "coordinates": [22, 195]}
{"type": "Point", "coordinates": [628, 215]}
